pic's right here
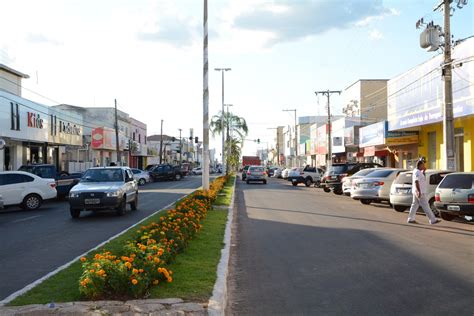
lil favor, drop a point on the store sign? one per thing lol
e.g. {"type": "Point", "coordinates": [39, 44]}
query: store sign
{"type": "Point", "coordinates": [369, 151]}
{"type": "Point", "coordinates": [68, 128]}
{"type": "Point", "coordinates": [34, 120]}
{"type": "Point", "coordinates": [372, 135]}
{"type": "Point", "coordinates": [401, 138]}
{"type": "Point", "coordinates": [416, 97]}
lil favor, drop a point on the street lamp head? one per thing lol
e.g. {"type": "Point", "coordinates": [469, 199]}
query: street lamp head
{"type": "Point", "coordinates": [222, 69]}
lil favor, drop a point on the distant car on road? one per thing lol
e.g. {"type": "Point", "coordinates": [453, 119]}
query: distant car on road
{"type": "Point", "coordinates": [197, 171]}
{"type": "Point", "coordinates": [285, 173]}
{"type": "Point", "coordinates": [375, 187]}
{"type": "Point", "coordinates": [26, 189]}
{"type": "Point", "coordinates": [256, 174]}
{"type": "Point", "coordinates": [141, 176]}
{"type": "Point", "coordinates": [307, 175]}
{"type": "Point", "coordinates": [401, 195]}
{"type": "Point", "coordinates": [454, 196]}
{"type": "Point", "coordinates": [166, 172]}
{"type": "Point", "coordinates": [244, 172]}
{"type": "Point", "coordinates": [104, 188]}
{"type": "Point", "coordinates": [277, 173]}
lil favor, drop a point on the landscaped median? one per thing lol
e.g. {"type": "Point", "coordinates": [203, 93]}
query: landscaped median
{"type": "Point", "coordinates": [172, 254]}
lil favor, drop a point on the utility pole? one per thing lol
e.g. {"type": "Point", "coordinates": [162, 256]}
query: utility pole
{"type": "Point", "coordinates": [223, 70]}
{"type": "Point", "coordinates": [328, 94]}
{"type": "Point", "coordinates": [277, 145]}
{"type": "Point", "coordinates": [117, 144]}
{"type": "Point", "coordinates": [448, 92]}
{"type": "Point", "coordinates": [296, 138]}
{"type": "Point", "coordinates": [229, 121]}
{"type": "Point", "coordinates": [205, 104]}
{"type": "Point", "coordinates": [161, 143]}
{"type": "Point", "coordinates": [180, 147]}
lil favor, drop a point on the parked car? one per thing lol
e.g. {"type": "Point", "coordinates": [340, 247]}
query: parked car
{"type": "Point", "coordinates": [332, 179]}
{"type": "Point", "coordinates": [104, 188]}
{"type": "Point", "coordinates": [307, 175]}
{"type": "Point", "coordinates": [141, 176]}
{"type": "Point", "coordinates": [26, 189]}
{"type": "Point", "coordinates": [244, 172]}
{"type": "Point", "coordinates": [197, 171]}
{"type": "Point", "coordinates": [1, 202]}
{"type": "Point", "coordinates": [277, 173]}
{"type": "Point", "coordinates": [347, 181]}
{"type": "Point", "coordinates": [64, 180]}
{"type": "Point", "coordinates": [454, 196]}
{"type": "Point", "coordinates": [375, 187]}
{"type": "Point", "coordinates": [256, 174]}
{"type": "Point", "coordinates": [166, 172]}
{"type": "Point", "coordinates": [285, 173]}
{"type": "Point", "coordinates": [271, 171]}
{"type": "Point", "coordinates": [401, 195]}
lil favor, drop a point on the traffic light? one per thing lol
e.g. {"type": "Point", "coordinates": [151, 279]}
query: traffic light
{"type": "Point", "coordinates": [173, 139]}
{"type": "Point", "coordinates": [258, 140]}
{"type": "Point", "coordinates": [196, 139]}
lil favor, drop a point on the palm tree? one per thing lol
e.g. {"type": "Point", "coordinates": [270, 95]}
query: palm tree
{"type": "Point", "coordinates": [237, 127]}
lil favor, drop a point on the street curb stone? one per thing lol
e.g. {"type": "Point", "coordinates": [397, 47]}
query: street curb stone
{"type": "Point", "coordinates": [218, 301]}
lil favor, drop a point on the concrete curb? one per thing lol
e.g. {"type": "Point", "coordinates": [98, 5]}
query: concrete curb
{"type": "Point", "coordinates": [218, 301]}
{"type": "Point", "coordinates": [11, 297]}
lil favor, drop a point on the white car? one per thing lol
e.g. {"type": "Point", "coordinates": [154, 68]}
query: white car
{"type": "Point", "coordinates": [401, 194]}
{"type": "Point", "coordinates": [285, 173]}
{"type": "Point", "coordinates": [307, 175]}
{"type": "Point", "coordinates": [375, 187]}
{"type": "Point", "coordinates": [347, 181]}
{"type": "Point", "coordinates": [25, 189]}
{"type": "Point", "coordinates": [141, 176]}
{"type": "Point", "coordinates": [197, 171]}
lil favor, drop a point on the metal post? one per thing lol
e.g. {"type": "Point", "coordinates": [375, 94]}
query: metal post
{"type": "Point", "coordinates": [448, 121]}
{"type": "Point", "coordinates": [222, 70]}
{"type": "Point", "coordinates": [205, 106]}
{"type": "Point", "coordinates": [296, 138]}
{"type": "Point", "coordinates": [328, 94]}
{"type": "Point", "coordinates": [117, 145]}
{"type": "Point", "coordinates": [161, 143]}
{"type": "Point", "coordinates": [180, 147]}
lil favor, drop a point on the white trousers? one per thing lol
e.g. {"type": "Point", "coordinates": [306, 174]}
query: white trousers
{"type": "Point", "coordinates": [423, 202]}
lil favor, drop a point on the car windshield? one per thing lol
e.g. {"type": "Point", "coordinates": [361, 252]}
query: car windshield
{"type": "Point", "coordinates": [337, 169]}
{"type": "Point", "coordinates": [380, 173]}
{"type": "Point", "coordinates": [102, 175]}
{"type": "Point", "coordinates": [457, 181]}
{"type": "Point", "coordinates": [257, 169]}
{"type": "Point", "coordinates": [404, 178]}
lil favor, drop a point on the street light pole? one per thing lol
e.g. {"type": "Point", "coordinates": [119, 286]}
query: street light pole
{"type": "Point", "coordinates": [180, 147]}
{"type": "Point", "coordinates": [205, 104]}
{"type": "Point", "coordinates": [228, 134]}
{"type": "Point", "coordinates": [223, 70]}
{"type": "Point", "coordinates": [328, 94]}
{"type": "Point", "coordinates": [296, 138]}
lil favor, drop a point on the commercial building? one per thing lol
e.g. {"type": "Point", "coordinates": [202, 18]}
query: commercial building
{"type": "Point", "coordinates": [416, 104]}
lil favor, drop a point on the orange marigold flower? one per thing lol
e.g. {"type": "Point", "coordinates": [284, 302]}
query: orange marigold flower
{"type": "Point", "coordinates": [170, 279]}
{"type": "Point", "coordinates": [83, 259]}
{"type": "Point", "coordinates": [128, 265]}
{"type": "Point", "coordinates": [134, 281]}
{"type": "Point", "coordinates": [135, 271]}
{"type": "Point", "coordinates": [155, 282]}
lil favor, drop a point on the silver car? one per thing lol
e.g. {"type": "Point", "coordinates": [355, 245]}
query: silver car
{"type": "Point", "coordinates": [102, 189]}
{"type": "Point", "coordinates": [256, 174]}
{"type": "Point", "coordinates": [347, 181]}
{"type": "Point", "coordinates": [401, 195]}
{"type": "Point", "coordinates": [375, 187]}
{"type": "Point", "coordinates": [141, 176]}
{"type": "Point", "coordinates": [454, 196]}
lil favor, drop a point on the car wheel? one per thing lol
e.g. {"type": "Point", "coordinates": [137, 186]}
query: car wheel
{"type": "Point", "coordinates": [141, 181]}
{"type": "Point", "coordinates": [433, 207]}
{"type": "Point", "coordinates": [447, 216]}
{"type": "Point", "coordinates": [308, 182]}
{"type": "Point", "coordinates": [120, 210]}
{"type": "Point", "coordinates": [400, 208]}
{"type": "Point", "coordinates": [294, 183]}
{"type": "Point", "coordinates": [317, 184]}
{"type": "Point", "coordinates": [365, 201]}
{"type": "Point", "coordinates": [338, 192]}
{"type": "Point", "coordinates": [75, 213]}
{"type": "Point", "coordinates": [134, 204]}
{"type": "Point", "coordinates": [177, 177]}
{"type": "Point", "coordinates": [248, 181]}
{"type": "Point", "coordinates": [327, 190]}
{"type": "Point", "coordinates": [31, 202]}
{"type": "Point", "coordinates": [264, 181]}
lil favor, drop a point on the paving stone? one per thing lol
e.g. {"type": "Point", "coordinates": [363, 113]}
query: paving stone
{"type": "Point", "coordinates": [168, 313]}
{"type": "Point", "coordinates": [115, 309]}
{"type": "Point", "coordinates": [164, 301]}
{"type": "Point", "coordinates": [188, 307]}
{"type": "Point", "coordinates": [146, 308]}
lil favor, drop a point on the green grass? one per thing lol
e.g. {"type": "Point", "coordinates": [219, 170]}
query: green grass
{"type": "Point", "coordinates": [226, 196]}
{"type": "Point", "coordinates": [194, 270]}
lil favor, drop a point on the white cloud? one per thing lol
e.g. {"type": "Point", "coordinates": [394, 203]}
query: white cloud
{"type": "Point", "coordinates": [376, 35]}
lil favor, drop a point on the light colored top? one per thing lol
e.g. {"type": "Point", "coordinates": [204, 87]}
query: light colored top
{"type": "Point", "coordinates": [420, 177]}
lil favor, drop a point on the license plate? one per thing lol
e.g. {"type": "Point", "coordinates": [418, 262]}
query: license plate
{"type": "Point", "coordinates": [91, 201]}
{"type": "Point", "coordinates": [293, 180]}
{"type": "Point", "coordinates": [334, 177]}
{"type": "Point", "coordinates": [403, 190]}
{"type": "Point", "coordinates": [453, 208]}
{"type": "Point", "coordinates": [364, 185]}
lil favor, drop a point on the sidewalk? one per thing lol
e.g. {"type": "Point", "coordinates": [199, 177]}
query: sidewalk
{"type": "Point", "coordinates": [155, 307]}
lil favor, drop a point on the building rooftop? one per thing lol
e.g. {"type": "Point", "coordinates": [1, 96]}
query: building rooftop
{"type": "Point", "coordinates": [13, 71]}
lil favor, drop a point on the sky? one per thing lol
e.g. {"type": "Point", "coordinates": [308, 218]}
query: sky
{"type": "Point", "coordinates": [148, 55]}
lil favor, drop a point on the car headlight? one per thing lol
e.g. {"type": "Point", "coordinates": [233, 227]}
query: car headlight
{"type": "Point", "coordinates": [113, 194]}
{"type": "Point", "coordinates": [73, 194]}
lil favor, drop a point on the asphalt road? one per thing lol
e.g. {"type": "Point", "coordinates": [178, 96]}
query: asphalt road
{"type": "Point", "coordinates": [34, 243]}
{"type": "Point", "coordinates": [300, 251]}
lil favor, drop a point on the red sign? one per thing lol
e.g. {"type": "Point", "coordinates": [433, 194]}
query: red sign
{"type": "Point", "coordinates": [369, 151]}
{"type": "Point", "coordinates": [97, 137]}
{"type": "Point", "coordinates": [34, 120]}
